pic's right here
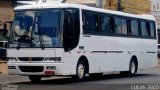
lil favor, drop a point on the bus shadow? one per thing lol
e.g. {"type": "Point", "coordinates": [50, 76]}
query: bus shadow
{"type": "Point", "coordinates": [65, 81]}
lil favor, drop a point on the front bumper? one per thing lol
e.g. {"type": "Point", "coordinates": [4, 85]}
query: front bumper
{"type": "Point", "coordinates": [58, 70]}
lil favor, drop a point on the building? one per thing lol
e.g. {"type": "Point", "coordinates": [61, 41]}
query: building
{"type": "Point", "coordinates": [6, 14]}
{"type": "Point", "coordinates": [6, 11]}
{"type": "Point", "coordinates": [129, 6]}
{"type": "Point", "coordinates": [136, 7]}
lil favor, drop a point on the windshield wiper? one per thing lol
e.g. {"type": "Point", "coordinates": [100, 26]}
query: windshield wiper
{"type": "Point", "coordinates": [25, 37]}
{"type": "Point", "coordinates": [18, 46]}
{"type": "Point", "coordinates": [33, 28]}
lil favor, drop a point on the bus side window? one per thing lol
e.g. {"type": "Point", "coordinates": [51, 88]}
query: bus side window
{"type": "Point", "coordinates": [106, 24]}
{"type": "Point", "coordinates": [90, 21]}
{"type": "Point", "coordinates": [124, 27]}
{"type": "Point", "coordinates": [144, 29]}
{"type": "Point", "coordinates": [134, 27]}
{"type": "Point", "coordinates": [148, 28]}
{"type": "Point", "coordinates": [120, 26]}
{"type": "Point", "coordinates": [152, 29]}
{"type": "Point", "coordinates": [112, 25]}
{"type": "Point", "coordinates": [129, 27]}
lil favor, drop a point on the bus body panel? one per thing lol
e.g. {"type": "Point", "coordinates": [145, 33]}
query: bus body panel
{"type": "Point", "coordinates": [31, 53]}
{"type": "Point", "coordinates": [59, 68]}
{"type": "Point", "coordinates": [143, 49]}
{"type": "Point", "coordinates": [96, 50]}
{"type": "Point", "coordinates": [149, 48]}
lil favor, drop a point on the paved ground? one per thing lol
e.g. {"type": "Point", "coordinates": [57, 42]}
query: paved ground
{"type": "Point", "coordinates": [141, 81]}
{"type": "Point", "coordinates": [106, 82]}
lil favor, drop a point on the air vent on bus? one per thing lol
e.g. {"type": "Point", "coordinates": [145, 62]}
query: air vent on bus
{"type": "Point", "coordinates": [32, 59]}
{"type": "Point", "coordinates": [31, 68]}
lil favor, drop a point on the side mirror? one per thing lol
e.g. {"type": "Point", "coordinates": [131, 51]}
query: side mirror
{"type": "Point", "coordinates": [5, 31]}
{"type": "Point", "coordinates": [6, 45]}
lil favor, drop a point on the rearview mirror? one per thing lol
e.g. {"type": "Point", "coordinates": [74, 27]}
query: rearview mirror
{"type": "Point", "coordinates": [5, 31]}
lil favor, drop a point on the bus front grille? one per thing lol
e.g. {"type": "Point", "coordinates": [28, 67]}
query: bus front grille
{"type": "Point", "coordinates": [31, 68]}
{"type": "Point", "coordinates": [32, 58]}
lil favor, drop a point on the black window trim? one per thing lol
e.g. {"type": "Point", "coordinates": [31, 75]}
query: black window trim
{"type": "Point", "coordinates": [120, 35]}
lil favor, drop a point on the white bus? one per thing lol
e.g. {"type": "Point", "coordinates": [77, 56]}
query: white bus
{"type": "Point", "coordinates": [78, 40]}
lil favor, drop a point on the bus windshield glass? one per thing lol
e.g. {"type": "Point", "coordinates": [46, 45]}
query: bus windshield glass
{"type": "Point", "coordinates": [34, 29]}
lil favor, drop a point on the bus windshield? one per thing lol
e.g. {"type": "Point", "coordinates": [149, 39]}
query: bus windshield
{"type": "Point", "coordinates": [36, 29]}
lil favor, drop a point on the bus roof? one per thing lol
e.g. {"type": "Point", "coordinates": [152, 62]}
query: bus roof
{"type": "Point", "coordinates": [84, 7]}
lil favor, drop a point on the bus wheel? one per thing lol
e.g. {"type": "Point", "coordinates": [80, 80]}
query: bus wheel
{"type": "Point", "coordinates": [132, 68]}
{"type": "Point", "coordinates": [80, 71]}
{"type": "Point", "coordinates": [35, 79]}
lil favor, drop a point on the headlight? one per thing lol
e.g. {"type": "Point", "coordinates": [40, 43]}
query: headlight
{"type": "Point", "coordinates": [11, 59]}
{"type": "Point", "coordinates": [53, 59]}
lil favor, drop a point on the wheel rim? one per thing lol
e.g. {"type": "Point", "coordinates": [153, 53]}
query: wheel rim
{"type": "Point", "coordinates": [80, 71]}
{"type": "Point", "coordinates": [133, 67]}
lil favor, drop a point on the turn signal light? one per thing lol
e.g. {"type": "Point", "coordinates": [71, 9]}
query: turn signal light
{"type": "Point", "coordinates": [12, 67]}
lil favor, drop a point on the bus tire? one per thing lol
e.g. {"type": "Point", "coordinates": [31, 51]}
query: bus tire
{"type": "Point", "coordinates": [81, 71]}
{"type": "Point", "coordinates": [35, 79]}
{"type": "Point", "coordinates": [133, 67]}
